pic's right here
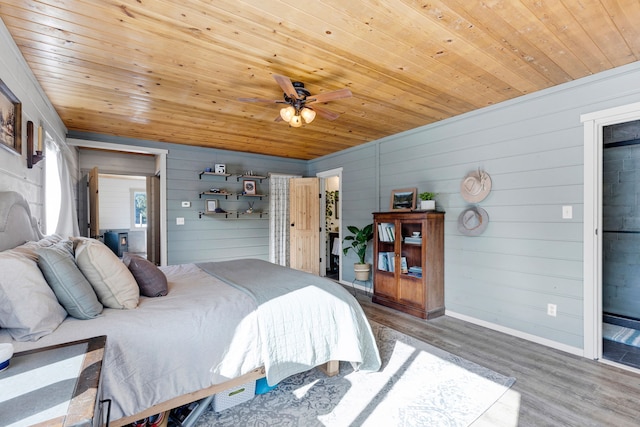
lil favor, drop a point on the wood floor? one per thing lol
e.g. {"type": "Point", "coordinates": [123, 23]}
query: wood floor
{"type": "Point", "coordinates": [552, 388]}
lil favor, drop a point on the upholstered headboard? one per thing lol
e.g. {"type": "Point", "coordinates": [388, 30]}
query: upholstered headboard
{"type": "Point", "coordinates": [17, 226]}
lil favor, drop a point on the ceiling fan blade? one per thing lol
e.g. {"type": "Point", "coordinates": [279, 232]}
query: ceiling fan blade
{"type": "Point", "coordinates": [286, 85]}
{"type": "Point", "coordinates": [268, 101]}
{"type": "Point", "coordinates": [278, 119]}
{"type": "Point", "coordinates": [326, 114]}
{"type": "Point", "coordinates": [330, 96]}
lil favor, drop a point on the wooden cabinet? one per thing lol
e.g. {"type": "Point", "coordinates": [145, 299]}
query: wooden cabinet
{"type": "Point", "coordinates": [408, 262]}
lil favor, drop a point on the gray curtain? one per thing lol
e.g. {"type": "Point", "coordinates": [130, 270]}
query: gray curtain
{"type": "Point", "coordinates": [279, 218]}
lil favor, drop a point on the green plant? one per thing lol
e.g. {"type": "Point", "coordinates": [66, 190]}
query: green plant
{"type": "Point", "coordinates": [427, 195]}
{"type": "Point", "coordinates": [359, 239]}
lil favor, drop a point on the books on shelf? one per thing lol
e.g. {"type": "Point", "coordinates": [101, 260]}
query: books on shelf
{"type": "Point", "coordinates": [415, 271]}
{"type": "Point", "coordinates": [410, 240]}
{"type": "Point", "coordinates": [386, 261]}
{"type": "Point", "coordinates": [386, 232]}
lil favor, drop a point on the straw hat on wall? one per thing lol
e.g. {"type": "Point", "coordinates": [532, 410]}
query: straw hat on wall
{"type": "Point", "coordinates": [475, 186]}
{"type": "Point", "coordinates": [473, 221]}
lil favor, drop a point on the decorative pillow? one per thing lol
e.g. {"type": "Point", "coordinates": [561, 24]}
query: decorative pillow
{"type": "Point", "coordinates": [151, 281]}
{"type": "Point", "coordinates": [110, 278]}
{"type": "Point", "coordinates": [29, 309]}
{"type": "Point", "coordinates": [29, 248]}
{"type": "Point", "coordinates": [70, 286]}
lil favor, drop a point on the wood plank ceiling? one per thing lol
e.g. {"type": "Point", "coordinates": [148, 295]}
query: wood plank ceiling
{"type": "Point", "coordinates": [173, 70]}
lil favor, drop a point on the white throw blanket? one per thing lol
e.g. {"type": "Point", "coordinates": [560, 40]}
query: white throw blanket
{"type": "Point", "coordinates": [304, 320]}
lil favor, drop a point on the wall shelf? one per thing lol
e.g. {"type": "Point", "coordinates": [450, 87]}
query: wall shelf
{"type": "Point", "coordinates": [231, 208]}
{"type": "Point", "coordinates": [232, 215]}
{"type": "Point", "coordinates": [225, 175]}
{"type": "Point", "coordinates": [258, 177]}
{"type": "Point", "coordinates": [209, 193]}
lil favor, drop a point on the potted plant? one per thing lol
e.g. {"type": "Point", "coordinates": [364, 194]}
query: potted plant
{"type": "Point", "coordinates": [427, 201]}
{"type": "Point", "coordinates": [359, 239]}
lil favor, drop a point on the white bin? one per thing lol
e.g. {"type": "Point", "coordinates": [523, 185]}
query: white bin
{"type": "Point", "coordinates": [234, 396]}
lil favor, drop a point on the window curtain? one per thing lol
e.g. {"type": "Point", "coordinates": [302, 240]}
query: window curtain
{"type": "Point", "coordinates": [279, 218]}
{"type": "Point", "coordinates": [68, 216]}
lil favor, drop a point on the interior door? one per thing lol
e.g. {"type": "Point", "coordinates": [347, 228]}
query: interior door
{"type": "Point", "coordinates": [94, 204]}
{"type": "Point", "coordinates": [304, 214]}
{"type": "Point", "coordinates": [153, 219]}
{"type": "Point", "coordinates": [83, 206]}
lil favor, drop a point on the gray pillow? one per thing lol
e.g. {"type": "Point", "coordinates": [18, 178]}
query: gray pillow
{"type": "Point", "coordinates": [29, 309]}
{"type": "Point", "coordinates": [68, 283]}
{"type": "Point", "coordinates": [151, 281]}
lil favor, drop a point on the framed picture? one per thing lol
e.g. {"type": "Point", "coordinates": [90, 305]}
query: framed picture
{"type": "Point", "coordinates": [249, 187]}
{"type": "Point", "coordinates": [404, 199]}
{"type": "Point", "coordinates": [210, 206]}
{"type": "Point", "coordinates": [10, 120]}
{"type": "Point", "coordinates": [220, 168]}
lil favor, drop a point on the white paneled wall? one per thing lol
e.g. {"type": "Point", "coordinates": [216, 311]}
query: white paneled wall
{"type": "Point", "coordinates": [14, 174]}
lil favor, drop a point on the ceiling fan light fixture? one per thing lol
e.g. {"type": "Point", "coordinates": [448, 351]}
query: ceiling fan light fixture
{"type": "Point", "coordinates": [287, 113]}
{"type": "Point", "coordinates": [308, 115]}
{"type": "Point", "coordinates": [296, 121]}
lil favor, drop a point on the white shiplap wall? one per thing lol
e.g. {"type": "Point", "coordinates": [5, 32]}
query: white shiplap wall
{"type": "Point", "coordinates": [14, 174]}
{"type": "Point", "coordinates": [533, 149]}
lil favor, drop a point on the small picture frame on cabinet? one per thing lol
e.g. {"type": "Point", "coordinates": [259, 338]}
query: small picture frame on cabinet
{"type": "Point", "coordinates": [210, 206]}
{"type": "Point", "coordinates": [404, 199]}
{"type": "Point", "coordinates": [220, 168]}
{"type": "Point", "coordinates": [249, 187]}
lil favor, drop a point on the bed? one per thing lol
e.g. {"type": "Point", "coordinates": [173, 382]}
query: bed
{"type": "Point", "coordinates": [219, 325]}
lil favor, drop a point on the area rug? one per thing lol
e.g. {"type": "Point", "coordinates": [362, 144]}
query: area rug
{"type": "Point", "coordinates": [418, 385]}
{"type": "Point", "coordinates": [621, 334]}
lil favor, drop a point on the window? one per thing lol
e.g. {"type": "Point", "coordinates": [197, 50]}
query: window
{"type": "Point", "coordinates": [139, 208]}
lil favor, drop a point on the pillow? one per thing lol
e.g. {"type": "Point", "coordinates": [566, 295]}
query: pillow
{"type": "Point", "coordinates": [110, 278]}
{"type": "Point", "coordinates": [151, 281]}
{"type": "Point", "coordinates": [29, 309]}
{"type": "Point", "coordinates": [29, 248]}
{"type": "Point", "coordinates": [70, 286]}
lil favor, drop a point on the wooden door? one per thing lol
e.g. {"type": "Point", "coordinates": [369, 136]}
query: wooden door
{"type": "Point", "coordinates": [153, 219]}
{"type": "Point", "coordinates": [83, 206]}
{"type": "Point", "coordinates": [304, 216]}
{"type": "Point", "coordinates": [94, 204]}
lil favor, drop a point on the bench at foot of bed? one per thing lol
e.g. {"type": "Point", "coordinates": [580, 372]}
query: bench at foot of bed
{"type": "Point", "coordinates": [330, 369]}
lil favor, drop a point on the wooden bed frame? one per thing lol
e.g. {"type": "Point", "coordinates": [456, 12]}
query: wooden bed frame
{"type": "Point", "coordinates": [330, 369]}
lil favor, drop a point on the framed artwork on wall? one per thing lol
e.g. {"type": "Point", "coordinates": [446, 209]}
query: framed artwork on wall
{"type": "Point", "coordinates": [210, 205]}
{"type": "Point", "coordinates": [403, 199]}
{"type": "Point", "coordinates": [10, 120]}
{"type": "Point", "coordinates": [249, 187]}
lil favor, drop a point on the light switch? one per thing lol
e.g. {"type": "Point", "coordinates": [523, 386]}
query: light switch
{"type": "Point", "coordinates": [179, 221]}
{"type": "Point", "coordinates": [567, 212]}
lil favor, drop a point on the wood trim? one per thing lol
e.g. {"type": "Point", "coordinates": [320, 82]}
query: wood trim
{"type": "Point", "coordinates": [330, 368]}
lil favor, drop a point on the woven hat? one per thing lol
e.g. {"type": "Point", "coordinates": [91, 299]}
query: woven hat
{"type": "Point", "coordinates": [475, 186]}
{"type": "Point", "coordinates": [473, 221]}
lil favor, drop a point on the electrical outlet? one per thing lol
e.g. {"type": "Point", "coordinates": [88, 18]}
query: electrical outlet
{"type": "Point", "coordinates": [552, 309]}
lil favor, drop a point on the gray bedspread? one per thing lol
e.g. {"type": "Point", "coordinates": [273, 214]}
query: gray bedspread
{"type": "Point", "coordinates": [304, 320]}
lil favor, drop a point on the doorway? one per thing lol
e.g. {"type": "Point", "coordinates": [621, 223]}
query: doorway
{"type": "Point", "coordinates": [331, 223]}
{"type": "Point", "coordinates": [621, 243]}
{"type": "Point", "coordinates": [606, 237]}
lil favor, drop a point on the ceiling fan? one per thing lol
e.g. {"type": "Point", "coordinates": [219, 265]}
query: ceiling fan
{"type": "Point", "coordinates": [301, 105]}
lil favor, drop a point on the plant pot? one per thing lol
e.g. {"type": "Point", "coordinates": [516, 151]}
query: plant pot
{"type": "Point", "coordinates": [362, 271]}
{"type": "Point", "coordinates": [428, 205]}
